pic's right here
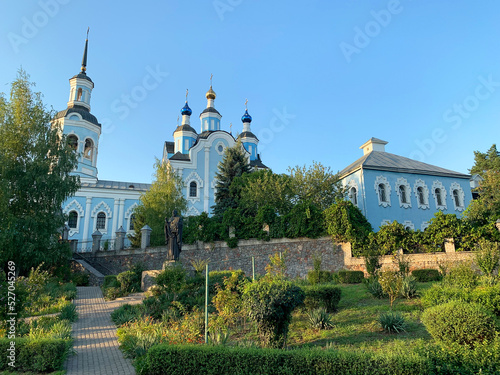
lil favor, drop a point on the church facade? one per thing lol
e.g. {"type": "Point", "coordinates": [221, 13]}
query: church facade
{"type": "Point", "coordinates": [105, 208]}
{"type": "Point", "coordinates": [388, 187]}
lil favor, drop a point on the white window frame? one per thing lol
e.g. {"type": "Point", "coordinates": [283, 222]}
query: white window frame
{"type": "Point", "coordinates": [439, 185]}
{"type": "Point", "coordinates": [193, 176]}
{"type": "Point", "coordinates": [422, 184]}
{"type": "Point", "coordinates": [406, 186]}
{"type": "Point", "coordinates": [383, 180]}
{"type": "Point", "coordinates": [461, 196]}
{"type": "Point", "coordinates": [350, 185]}
{"type": "Point", "coordinates": [409, 224]}
{"type": "Point", "coordinates": [74, 206]}
{"type": "Point", "coordinates": [102, 207]}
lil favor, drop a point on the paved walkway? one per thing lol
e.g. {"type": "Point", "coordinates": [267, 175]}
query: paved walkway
{"type": "Point", "coordinates": [95, 340]}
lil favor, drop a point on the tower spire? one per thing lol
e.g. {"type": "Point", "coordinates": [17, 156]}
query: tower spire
{"type": "Point", "coordinates": [84, 59]}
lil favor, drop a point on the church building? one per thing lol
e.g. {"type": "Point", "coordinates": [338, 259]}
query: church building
{"type": "Point", "coordinates": [99, 207]}
{"type": "Point", "coordinates": [388, 187]}
{"type": "Point", "coordinates": [195, 156]}
{"type": "Point", "coordinates": [105, 208]}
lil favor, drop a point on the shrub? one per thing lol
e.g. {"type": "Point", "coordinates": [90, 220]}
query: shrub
{"type": "Point", "coordinates": [459, 322]}
{"type": "Point", "coordinates": [487, 256]}
{"type": "Point", "coordinates": [172, 279]}
{"type": "Point", "coordinates": [317, 276]}
{"type": "Point", "coordinates": [391, 284]}
{"type": "Point", "coordinates": [110, 281]}
{"type": "Point", "coordinates": [462, 276]}
{"type": "Point", "coordinates": [126, 280]}
{"type": "Point", "coordinates": [439, 294]}
{"type": "Point", "coordinates": [270, 303]}
{"type": "Point", "coordinates": [426, 275]}
{"type": "Point", "coordinates": [216, 278]}
{"type": "Point", "coordinates": [392, 322]}
{"type": "Point", "coordinates": [69, 313]}
{"type": "Point", "coordinates": [374, 288]}
{"type": "Point", "coordinates": [80, 278]}
{"type": "Point", "coordinates": [112, 293]}
{"type": "Point", "coordinates": [327, 296]}
{"type": "Point", "coordinates": [408, 287]}
{"type": "Point", "coordinates": [488, 297]}
{"type": "Point", "coordinates": [320, 319]}
{"type": "Point", "coordinates": [351, 277]}
{"type": "Point", "coordinates": [41, 355]}
{"type": "Point", "coordinates": [126, 313]}
{"type": "Point", "coordinates": [232, 242]}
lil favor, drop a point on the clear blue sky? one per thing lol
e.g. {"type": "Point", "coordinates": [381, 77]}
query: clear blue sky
{"type": "Point", "coordinates": [321, 77]}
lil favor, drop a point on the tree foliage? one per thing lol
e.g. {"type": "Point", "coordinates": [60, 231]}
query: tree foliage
{"type": "Point", "coordinates": [316, 184]}
{"type": "Point", "coordinates": [164, 196]}
{"type": "Point", "coordinates": [35, 166]}
{"type": "Point", "coordinates": [233, 165]}
{"type": "Point", "coordinates": [486, 208]}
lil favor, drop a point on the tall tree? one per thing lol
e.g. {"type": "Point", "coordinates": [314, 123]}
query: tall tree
{"type": "Point", "coordinates": [317, 184]}
{"type": "Point", "coordinates": [164, 196]}
{"type": "Point", "coordinates": [234, 164]}
{"type": "Point", "coordinates": [35, 166]}
{"type": "Point", "coordinates": [486, 209]}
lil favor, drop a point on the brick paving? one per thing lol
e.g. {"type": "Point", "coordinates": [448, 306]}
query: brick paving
{"type": "Point", "coordinates": [95, 340]}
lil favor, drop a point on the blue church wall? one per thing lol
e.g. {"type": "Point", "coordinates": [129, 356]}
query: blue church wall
{"type": "Point", "coordinates": [412, 214]}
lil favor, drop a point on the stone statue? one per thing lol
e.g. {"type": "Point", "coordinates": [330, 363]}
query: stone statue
{"type": "Point", "coordinates": [173, 236]}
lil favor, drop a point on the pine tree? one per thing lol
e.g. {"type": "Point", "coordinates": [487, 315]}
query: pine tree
{"type": "Point", "coordinates": [234, 164]}
{"type": "Point", "coordinates": [35, 166]}
{"type": "Point", "coordinates": [158, 203]}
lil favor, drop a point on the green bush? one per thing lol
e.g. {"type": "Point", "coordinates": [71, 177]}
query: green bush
{"type": "Point", "coordinates": [80, 278]}
{"type": "Point", "coordinates": [112, 293]}
{"type": "Point", "coordinates": [487, 296]}
{"type": "Point", "coordinates": [426, 275]}
{"type": "Point", "coordinates": [488, 256]}
{"type": "Point", "coordinates": [172, 279]}
{"type": "Point", "coordinates": [126, 313]}
{"type": "Point", "coordinates": [40, 355]}
{"type": "Point", "coordinates": [216, 278]}
{"type": "Point", "coordinates": [320, 319]}
{"type": "Point", "coordinates": [392, 322]}
{"type": "Point", "coordinates": [439, 294]}
{"type": "Point", "coordinates": [374, 288]}
{"type": "Point", "coordinates": [409, 287]}
{"type": "Point", "coordinates": [350, 277]}
{"type": "Point", "coordinates": [110, 281]}
{"type": "Point", "coordinates": [327, 296]}
{"type": "Point", "coordinates": [318, 276]}
{"type": "Point", "coordinates": [270, 303]}
{"type": "Point", "coordinates": [459, 322]}
{"type": "Point", "coordinates": [217, 360]}
{"type": "Point", "coordinates": [68, 312]}
{"type": "Point", "coordinates": [462, 276]}
{"type": "Point", "coordinates": [126, 280]}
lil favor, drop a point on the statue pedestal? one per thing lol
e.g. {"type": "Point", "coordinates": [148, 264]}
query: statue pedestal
{"type": "Point", "coordinates": [167, 263]}
{"type": "Point", "coordinates": [148, 279]}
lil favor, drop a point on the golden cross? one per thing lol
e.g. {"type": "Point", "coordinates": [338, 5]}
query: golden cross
{"type": "Point", "coordinates": [246, 102]}
{"type": "Point", "coordinates": [187, 90]}
{"type": "Point", "coordinates": [211, 76]}
{"type": "Point", "coordinates": [177, 120]}
{"type": "Point", "coordinates": [230, 127]}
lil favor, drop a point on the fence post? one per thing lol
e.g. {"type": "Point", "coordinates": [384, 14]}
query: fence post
{"type": "Point", "coordinates": [145, 236]}
{"type": "Point", "coordinates": [253, 268]}
{"type": "Point", "coordinates": [206, 304]}
{"type": "Point", "coordinates": [96, 240]}
{"type": "Point", "coordinates": [120, 239]}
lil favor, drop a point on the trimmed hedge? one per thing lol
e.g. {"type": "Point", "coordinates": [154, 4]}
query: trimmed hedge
{"type": "Point", "coordinates": [220, 360]}
{"type": "Point", "coordinates": [459, 322]}
{"type": "Point", "coordinates": [350, 277]}
{"type": "Point", "coordinates": [327, 296]}
{"type": "Point", "coordinates": [40, 355]}
{"type": "Point", "coordinates": [426, 275]}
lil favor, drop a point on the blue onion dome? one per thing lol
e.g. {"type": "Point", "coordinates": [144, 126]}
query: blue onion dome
{"type": "Point", "coordinates": [186, 110]}
{"type": "Point", "coordinates": [246, 117]}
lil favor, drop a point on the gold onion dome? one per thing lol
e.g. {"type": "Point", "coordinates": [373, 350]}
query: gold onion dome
{"type": "Point", "coordinates": [210, 93]}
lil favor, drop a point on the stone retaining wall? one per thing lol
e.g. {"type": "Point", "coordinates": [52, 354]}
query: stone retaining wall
{"type": "Point", "coordinates": [301, 253]}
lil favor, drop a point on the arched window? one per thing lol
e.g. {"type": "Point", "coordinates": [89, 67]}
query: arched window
{"type": "Point", "coordinates": [72, 219]}
{"type": "Point", "coordinates": [131, 224]}
{"type": "Point", "coordinates": [73, 141]}
{"type": "Point", "coordinates": [101, 221]}
{"type": "Point", "coordinates": [402, 194]}
{"type": "Point", "coordinates": [420, 194]}
{"type": "Point", "coordinates": [193, 189]}
{"type": "Point", "coordinates": [381, 193]}
{"type": "Point", "coordinates": [353, 195]}
{"type": "Point", "coordinates": [89, 147]}
{"type": "Point", "coordinates": [79, 95]}
{"type": "Point", "coordinates": [439, 198]}
{"type": "Point", "coordinates": [456, 197]}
